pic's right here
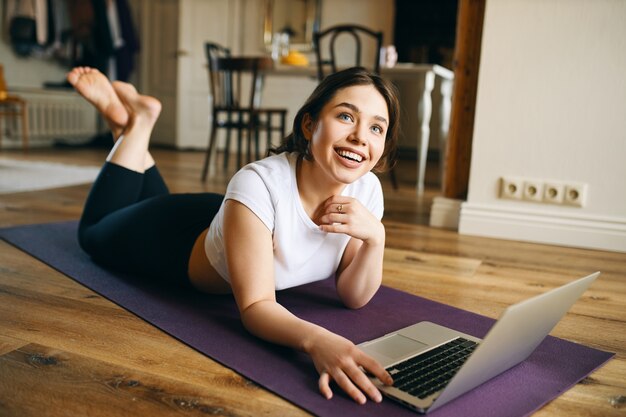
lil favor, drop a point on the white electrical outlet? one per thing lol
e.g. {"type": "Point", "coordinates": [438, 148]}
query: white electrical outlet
{"type": "Point", "coordinates": [511, 188]}
{"type": "Point", "coordinates": [544, 191]}
{"type": "Point", "coordinates": [532, 191]}
{"type": "Point", "coordinates": [553, 192]}
{"type": "Point", "coordinates": [575, 194]}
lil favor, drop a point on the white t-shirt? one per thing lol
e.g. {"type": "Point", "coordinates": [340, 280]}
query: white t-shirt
{"type": "Point", "coordinates": [302, 252]}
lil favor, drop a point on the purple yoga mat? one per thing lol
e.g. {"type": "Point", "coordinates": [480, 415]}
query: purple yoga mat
{"type": "Point", "coordinates": [211, 325]}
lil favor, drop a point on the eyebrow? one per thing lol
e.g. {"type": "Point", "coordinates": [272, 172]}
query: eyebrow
{"type": "Point", "coordinates": [356, 109]}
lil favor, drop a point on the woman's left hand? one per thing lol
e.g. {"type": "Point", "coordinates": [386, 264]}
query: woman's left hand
{"type": "Point", "coordinates": [347, 215]}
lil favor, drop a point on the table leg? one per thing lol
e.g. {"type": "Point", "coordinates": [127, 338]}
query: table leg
{"type": "Point", "coordinates": [424, 112]}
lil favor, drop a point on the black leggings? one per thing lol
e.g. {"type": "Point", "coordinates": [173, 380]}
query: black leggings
{"type": "Point", "coordinates": [132, 223]}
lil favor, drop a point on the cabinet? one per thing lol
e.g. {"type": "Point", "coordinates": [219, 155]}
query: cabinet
{"type": "Point", "coordinates": [173, 64]}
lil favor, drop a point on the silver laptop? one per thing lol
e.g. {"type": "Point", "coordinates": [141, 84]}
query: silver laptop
{"type": "Point", "coordinates": [432, 365]}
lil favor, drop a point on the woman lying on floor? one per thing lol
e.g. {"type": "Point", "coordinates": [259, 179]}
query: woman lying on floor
{"type": "Point", "coordinates": [309, 212]}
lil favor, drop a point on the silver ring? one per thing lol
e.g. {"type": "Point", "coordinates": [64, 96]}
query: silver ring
{"type": "Point", "coordinates": [339, 208]}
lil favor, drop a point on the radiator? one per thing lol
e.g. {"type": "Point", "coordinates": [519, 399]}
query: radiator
{"type": "Point", "coordinates": [53, 115]}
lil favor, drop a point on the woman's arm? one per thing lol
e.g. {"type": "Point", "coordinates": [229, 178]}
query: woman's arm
{"type": "Point", "coordinates": [250, 258]}
{"type": "Point", "coordinates": [361, 269]}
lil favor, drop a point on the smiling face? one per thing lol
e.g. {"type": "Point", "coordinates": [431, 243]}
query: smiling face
{"type": "Point", "coordinates": [348, 138]}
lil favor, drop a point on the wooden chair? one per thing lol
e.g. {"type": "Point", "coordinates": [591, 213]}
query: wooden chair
{"type": "Point", "coordinates": [13, 107]}
{"type": "Point", "coordinates": [360, 34]}
{"type": "Point", "coordinates": [327, 61]}
{"type": "Point", "coordinates": [236, 104]}
{"type": "Point", "coordinates": [214, 51]}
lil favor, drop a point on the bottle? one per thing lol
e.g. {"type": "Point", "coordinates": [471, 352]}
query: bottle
{"type": "Point", "coordinates": [284, 44]}
{"type": "Point", "coordinates": [276, 49]}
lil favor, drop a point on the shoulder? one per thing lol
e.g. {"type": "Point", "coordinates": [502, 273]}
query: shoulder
{"type": "Point", "coordinates": [270, 172]}
{"type": "Point", "coordinates": [271, 166]}
{"type": "Point", "coordinates": [261, 185]}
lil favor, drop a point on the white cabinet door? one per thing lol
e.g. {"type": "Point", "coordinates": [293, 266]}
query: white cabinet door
{"type": "Point", "coordinates": [200, 21]}
{"type": "Point", "coordinates": [174, 65]}
{"type": "Point", "coordinates": [158, 21]}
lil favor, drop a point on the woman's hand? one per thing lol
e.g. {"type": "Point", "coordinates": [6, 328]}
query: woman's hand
{"type": "Point", "coordinates": [359, 274]}
{"type": "Point", "coordinates": [347, 215]}
{"type": "Point", "coordinates": [339, 360]}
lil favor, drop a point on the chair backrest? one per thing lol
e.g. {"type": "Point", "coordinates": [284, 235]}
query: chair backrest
{"type": "Point", "coordinates": [229, 88]}
{"type": "Point", "coordinates": [220, 89]}
{"type": "Point", "coordinates": [359, 34]}
{"type": "Point", "coordinates": [215, 50]}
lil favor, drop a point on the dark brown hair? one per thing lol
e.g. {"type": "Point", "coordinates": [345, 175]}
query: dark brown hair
{"type": "Point", "coordinates": [324, 92]}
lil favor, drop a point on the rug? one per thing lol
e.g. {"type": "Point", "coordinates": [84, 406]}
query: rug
{"type": "Point", "coordinates": [211, 325]}
{"type": "Point", "coordinates": [21, 176]}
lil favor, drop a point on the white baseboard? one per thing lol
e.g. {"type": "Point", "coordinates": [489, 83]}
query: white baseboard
{"type": "Point", "coordinates": [565, 229]}
{"type": "Point", "coordinates": [445, 213]}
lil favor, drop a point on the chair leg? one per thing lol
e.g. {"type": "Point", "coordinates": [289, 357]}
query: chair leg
{"type": "Point", "coordinates": [239, 144]}
{"type": "Point", "coordinates": [229, 121]}
{"type": "Point", "coordinates": [209, 150]}
{"type": "Point", "coordinates": [226, 150]}
{"type": "Point", "coordinates": [249, 139]}
{"type": "Point", "coordinates": [268, 145]}
{"type": "Point", "coordinates": [283, 116]}
{"type": "Point", "coordinates": [257, 138]}
{"type": "Point", "coordinates": [251, 135]}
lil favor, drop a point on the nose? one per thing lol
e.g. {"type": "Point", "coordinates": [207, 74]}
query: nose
{"type": "Point", "coordinates": [358, 134]}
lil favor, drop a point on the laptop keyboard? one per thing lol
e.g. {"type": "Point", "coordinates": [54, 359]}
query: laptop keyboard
{"type": "Point", "coordinates": [429, 372]}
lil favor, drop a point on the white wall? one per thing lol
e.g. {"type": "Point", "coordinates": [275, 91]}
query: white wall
{"type": "Point", "coordinates": [26, 72]}
{"type": "Point", "coordinates": [551, 105]}
{"type": "Point", "coordinates": [377, 15]}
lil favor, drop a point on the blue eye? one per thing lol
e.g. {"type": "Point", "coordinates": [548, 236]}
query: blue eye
{"type": "Point", "coordinates": [377, 129]}
{"type": "Point", "coordinates": [345, 116]}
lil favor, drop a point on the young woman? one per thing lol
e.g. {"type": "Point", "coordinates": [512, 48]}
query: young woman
{"type": "Point", "coordinates": [309, 212]}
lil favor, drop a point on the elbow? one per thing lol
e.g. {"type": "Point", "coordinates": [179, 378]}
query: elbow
{"type": "Point", "coordinates": [354, 303]}
{"type": "Point", "coordinates": [357, 297]}
{"type": "Point", "coordinates": [354, 306]}
{"type": "Point", "coordinates": [248, 316]}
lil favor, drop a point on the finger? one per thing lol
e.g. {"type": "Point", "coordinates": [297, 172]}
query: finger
{"type": "Point", "coordinates": [334, 228]}
{"type": "Point", "coordinates": [324, 385]}
{"type": "Point", "coordinates": [333, 202]}
{"type": "Point", "coordinates": [334, 218]}
{"type": "Point", "coordinates": [372, 366]}
{"type": "Point", "coordinates": [363, 382]}
{"type": "Point", "coordinates": [337, 217]}
{"type": "Point", "coordinates": [336, 208]}
{"type": "Point", "coordinates": [349, 388]}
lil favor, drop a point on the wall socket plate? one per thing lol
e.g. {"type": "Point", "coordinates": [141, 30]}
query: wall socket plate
{"type": "Point", "coordinates": [543, 191]}
{"type": "Point", "coordinates": [511, 188]}
{"type": "Point", "coordinates": [533, 191]}
{"type": "Point", "coordinates": [575, 194]}
{"type": "Point", "coordinates": [553, 192]}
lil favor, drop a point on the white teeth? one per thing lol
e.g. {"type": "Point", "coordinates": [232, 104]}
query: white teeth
{"type": "Point", "coordinates": [350, 155]}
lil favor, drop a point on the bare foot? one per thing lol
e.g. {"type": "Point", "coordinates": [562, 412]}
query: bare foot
{"type": "Point", "coordinates": [96, 89]}
{"type": "Point", "coordinates": [131, 152]}
{"type": "Point", "coordinates": [140, 108]}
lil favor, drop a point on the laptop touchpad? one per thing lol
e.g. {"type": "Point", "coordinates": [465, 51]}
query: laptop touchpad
{"type": "Point", "coordinates": [396, 346]}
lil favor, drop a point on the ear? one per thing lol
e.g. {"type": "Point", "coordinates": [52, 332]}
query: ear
{"type": "Point", "coordinates": [307, 126]}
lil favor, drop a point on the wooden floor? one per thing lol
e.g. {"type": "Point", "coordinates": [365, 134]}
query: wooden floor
{"type": "Point", "coordinates": [65, 351]}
